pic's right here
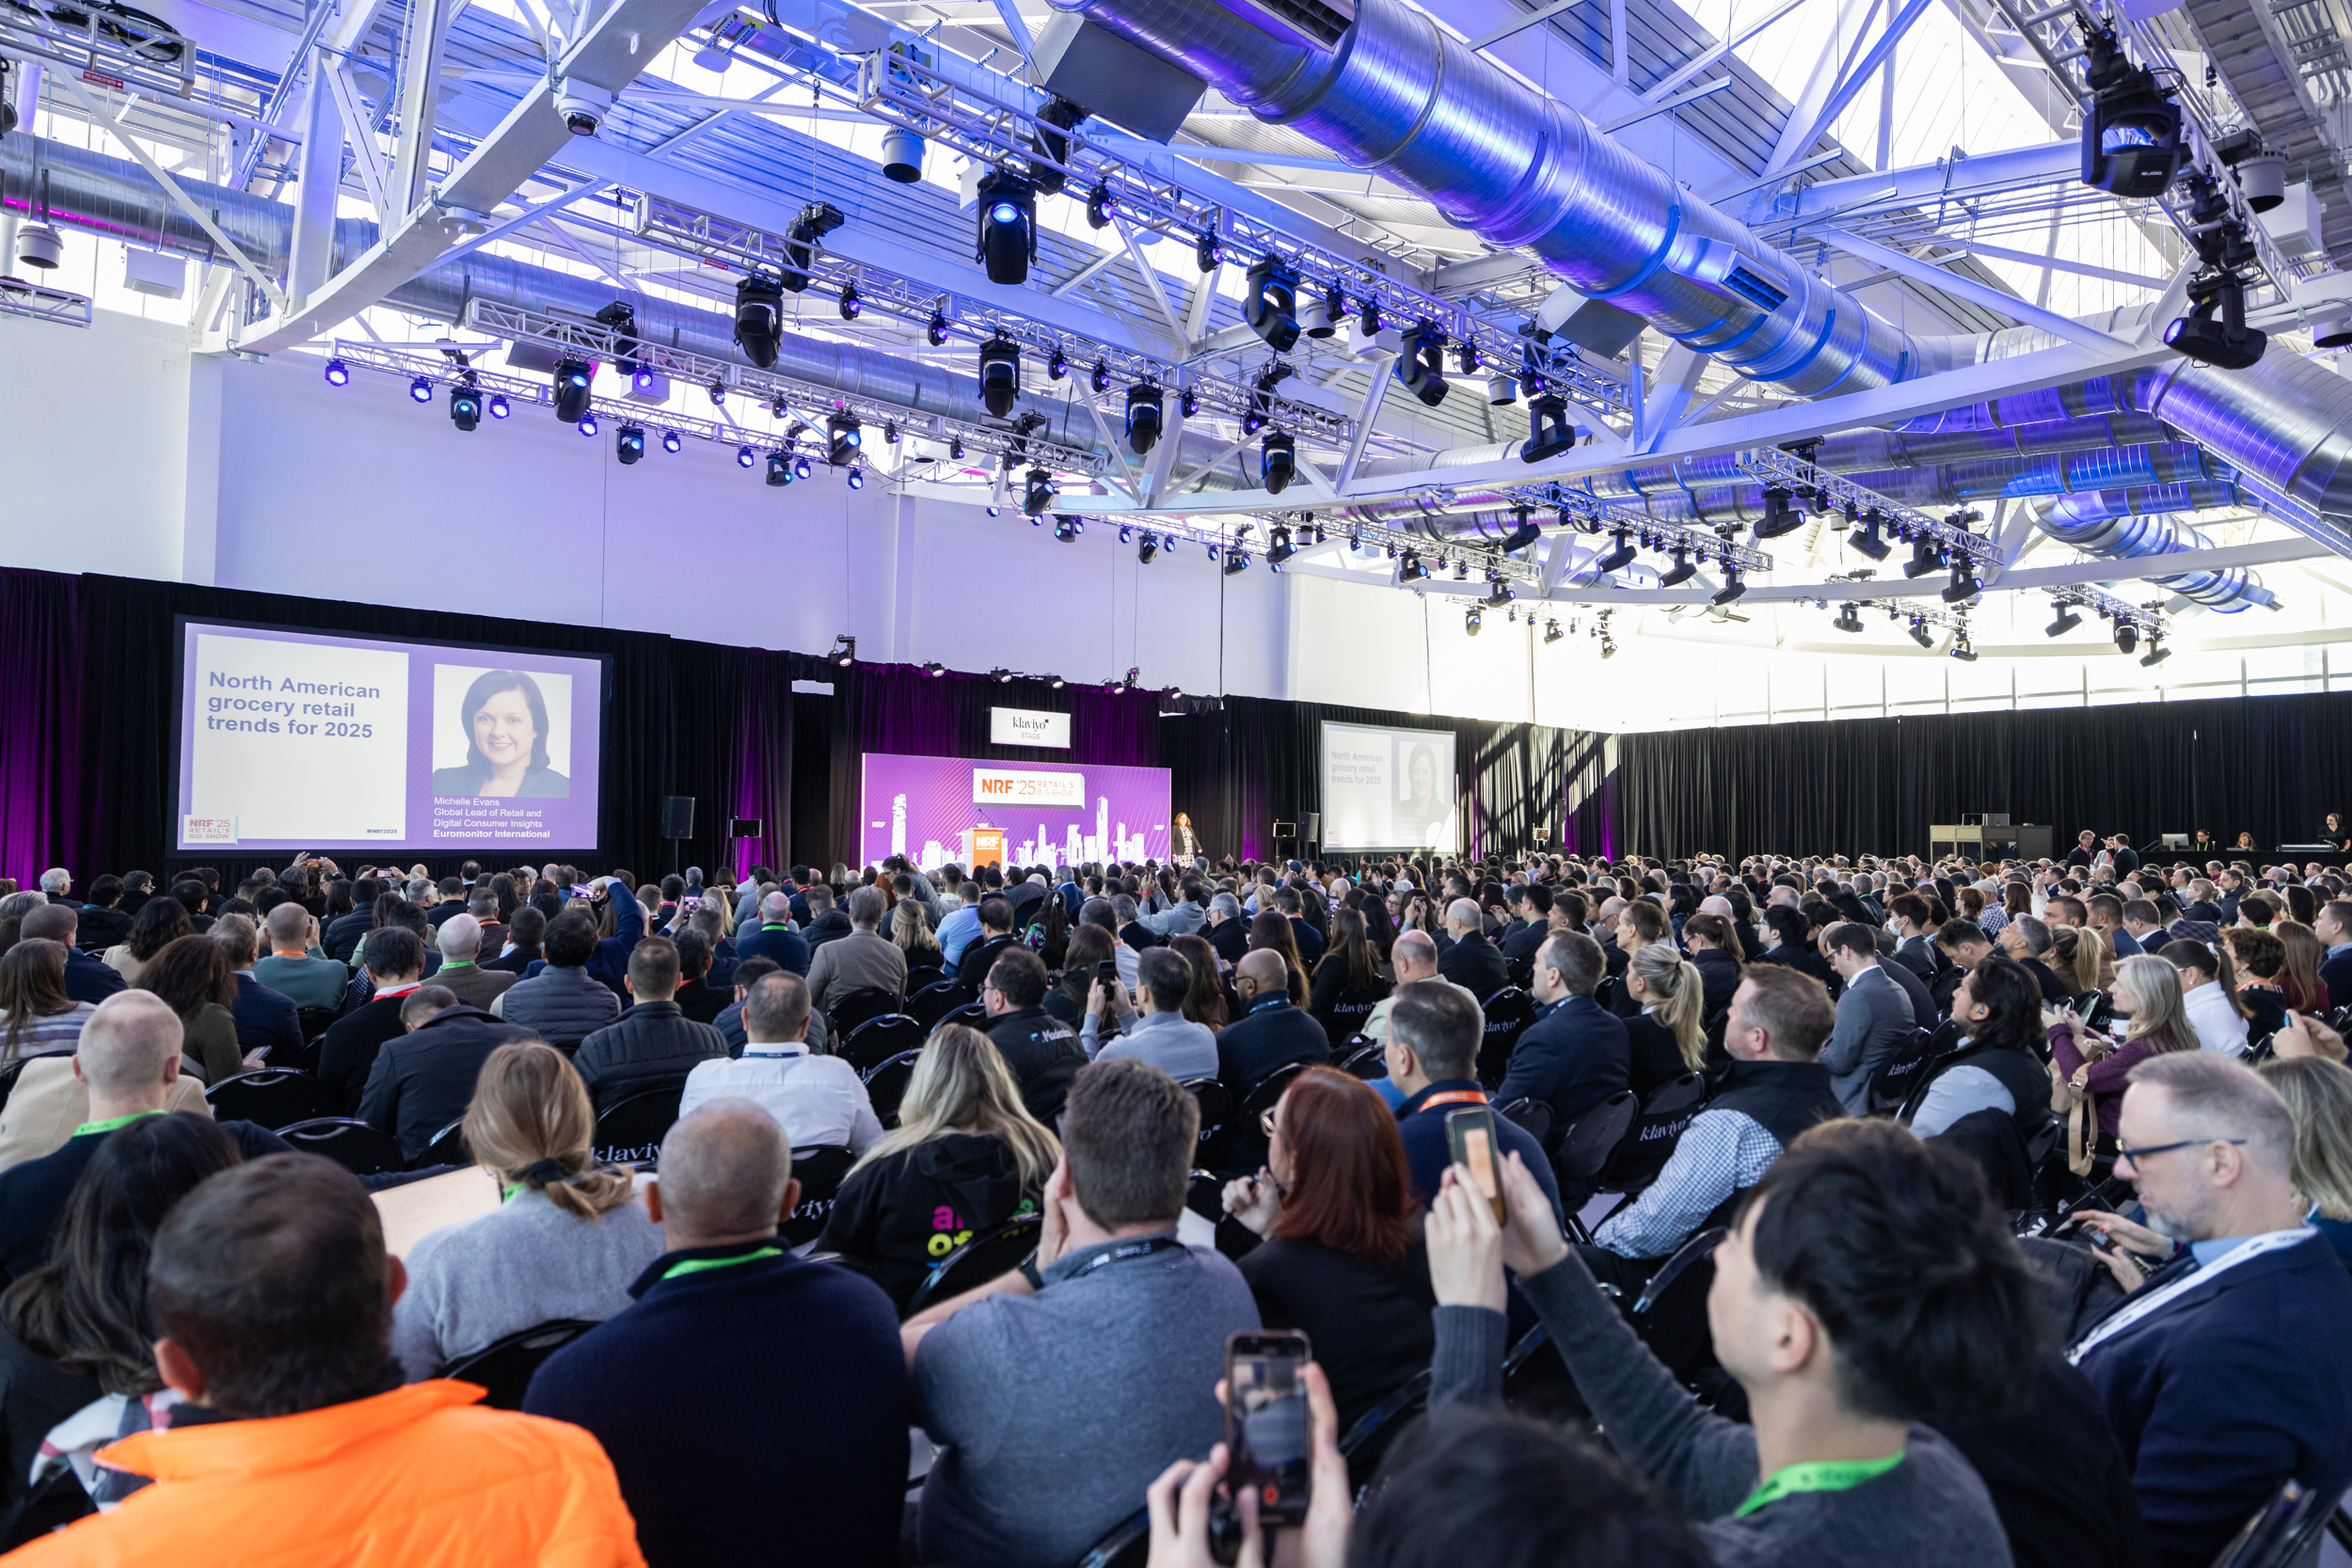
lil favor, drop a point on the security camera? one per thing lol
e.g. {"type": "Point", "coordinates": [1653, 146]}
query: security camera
{"type": "Point", "coordinates": [583, 104]}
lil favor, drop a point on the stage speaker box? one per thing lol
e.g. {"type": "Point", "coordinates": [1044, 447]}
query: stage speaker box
{"type": "Point", "coordinates": [1314, 827]}
{"type": "Point", "coordinates": [2034, 842]}
{"type": "Point", "coordinates": [677, 816]}
{"type": "Point", "coordinates": [742, 827]}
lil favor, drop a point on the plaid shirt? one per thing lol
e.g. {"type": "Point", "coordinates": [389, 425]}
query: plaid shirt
{"type": "Point", "coordinates": [1718, 1154]}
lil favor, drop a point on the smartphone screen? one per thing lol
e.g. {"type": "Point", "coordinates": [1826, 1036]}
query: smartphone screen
{"type": "Point", "coordinates": [581, 892]}
{"type": "Point", "coordinates": [1471, 1130]}
{"type": "Point", "coordinates": [1266, 1424]}
{"type": "Point", "coordinates": [1107, 975]}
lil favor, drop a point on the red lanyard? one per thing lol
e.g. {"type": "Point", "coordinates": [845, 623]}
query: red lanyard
{"type": "Point", "coordinates": [1455, 1096]}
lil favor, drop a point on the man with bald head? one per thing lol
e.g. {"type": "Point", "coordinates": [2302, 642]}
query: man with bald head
{"type": "Point", "coordinates": [126, 1065]}
{"type": "Point", "coordinates": [1271, 1032]}
{"type": "Point", "coordinates": [289, 969]}
{"type": "Point", "coordinates": [461, 972]}
{"type": "Point", "coordinates": [774, 938]}
{"type": "Point", "coordinates": [752, 1403]}
{"type": "Point", "coordinates": [1414, 956]}
{"type": "Point", "coordinates": [1473, 962]}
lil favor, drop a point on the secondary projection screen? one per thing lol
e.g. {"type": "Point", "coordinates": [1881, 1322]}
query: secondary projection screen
{"type": "Point", "coordinates": [1388, 789]}
{"type": "Point", "coordinates": [296, 740]}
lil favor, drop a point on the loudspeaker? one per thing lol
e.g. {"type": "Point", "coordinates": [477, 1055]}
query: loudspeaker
{"type": "Point", "coordinates": [742, 827]}
{"type": "Point", "coordinates": [677, 816]}
{"type": "Point", "coordinates": [1314, 827]}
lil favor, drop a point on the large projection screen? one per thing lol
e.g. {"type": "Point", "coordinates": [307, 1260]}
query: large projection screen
{"type": "Point", "coordinates": [299, 740]}
{"type": "Point", "coordinates": [1388, 789]}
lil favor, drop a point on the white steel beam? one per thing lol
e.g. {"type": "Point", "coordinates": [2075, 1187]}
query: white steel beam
{"type": "Point", "coordinates": [321, 185]}
{"type": "Point", "coordinates": [1967, 287]}
{"type": "Point", "coordinates": [427, 33]}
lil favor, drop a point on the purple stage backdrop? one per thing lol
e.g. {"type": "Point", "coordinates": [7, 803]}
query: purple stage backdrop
{"type": "Point", "coordinates": [298, 740]}
{"type": "Point", "coordinates": [1050, 813]}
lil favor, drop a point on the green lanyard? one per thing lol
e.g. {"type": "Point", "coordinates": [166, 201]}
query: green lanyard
{"type": "Point", "coordinates": [112, 1122]}
{"type": "Point", "coordinates": [696, 1265]}
{"type": "Point", "coordinates": [1824, 1475]}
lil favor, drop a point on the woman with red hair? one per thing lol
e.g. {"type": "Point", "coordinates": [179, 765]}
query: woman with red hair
{"type": "Point", "coordinates": [1343, 1259]}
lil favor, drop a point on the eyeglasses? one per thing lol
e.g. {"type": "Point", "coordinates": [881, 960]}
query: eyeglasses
{"type": "Point", "coordinates": [2138, 1156]}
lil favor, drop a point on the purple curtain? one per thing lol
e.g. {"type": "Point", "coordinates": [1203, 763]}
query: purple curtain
{"type": "Point", "coordinates": [41, 734]}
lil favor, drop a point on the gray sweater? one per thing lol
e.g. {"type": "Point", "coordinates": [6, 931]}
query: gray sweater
{"type": "Point", "coordinates": [526, 1263]}
{"type": "Point", "coordinates": [1929, 1512]}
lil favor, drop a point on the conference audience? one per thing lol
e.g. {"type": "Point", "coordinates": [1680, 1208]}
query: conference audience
{"type": "Point", "coordinates": [159, 923]}
{"type": "Point", "coordinates": [1154, 1029]}
{"type": "Point", "coordinates": [566, 1242]}
{"type": "Point", "coordinates": [1435, 1031]}
{"type": "Point", "coordinates": [525, 944]}
{"type": "Point", "coordinates": [562, 1003]}
{"type": "Point", "coordinates": [653, 1044]}
{"type": "Point", "coordinates": [37, 1016]}
{"type": "Point", "coordinates": [195, 977]}
{"type": "Point", "coordinates": [817, 1099]}
{"type": "Point", "coordinates": [1575, 1056]}
{"type": "Point", "coordinates": [273, 1300]}
{"type": "Point", "coordinates": [1470, 960]}
{"type": "Point", "coordinates": [269, 1025]}
{"type": "Point", "coordinates": [2191, 1363]}
{"type": "Point", "coordinates": [1665, 1039]}
{"type": "Point", "coordinates": [81, 1333]}
{"type": "Point", "coordinates": [394, 967]}
{"type": "Point", "coordinates": [1706, 939]}
{"type": "Point", "coordinates": [459, 939]}
{"type": "Point", "coordinates": [965, 1157]}
{"type": "Point", "coordinates": [1205, 1002]}
{"type": "Point", "coordinates": [1043, 1053]}
{"type": "Point", "coordinates": [1874, 1015]}
{"type": "Point", "coordinates": [2096, 1069]}
{"type": "Point", "coordinates": [1341, 1259]}
{"type": "Point", "coordinates": [87, 979]}
{"type": "Point", "coordinates": [2318, 1092]}
{"type": "Point", "coordinates": [1997, 1065]}
{"type": "Point", "coordinates": [1272, 1031]}
{"type": "Point", "coordinates": [982, 952]}
{"type": "Point", "coordinates": [1347, 983]}
{"type": "Point", "coordinates": [1868, 1288]}
{"type": "Point", "coordinates": [2209, 995]}
{"type": "Point", "coordinates": [288, 968]}
{"type": "Point", "coordinates": [858, 960]}
{"type": "Point", "coordinates": [1774, 1088]}
{"type": "Point", "coordinates": [423, 1079]}
{"type": "Point", "coordinates": [793, 1371]}
{"type": "Point", "coordinates": [1058, 1391]}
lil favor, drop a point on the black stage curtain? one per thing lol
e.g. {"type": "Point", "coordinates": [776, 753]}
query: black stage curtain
{"type": "Point", "coordinates": [100, 780]}
{"type": "Point", "coordinates": [2272, 766]}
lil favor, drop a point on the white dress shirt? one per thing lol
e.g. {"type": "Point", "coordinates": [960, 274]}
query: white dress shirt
{"type": "Point", "coordinates": [2218, 1025]}
{"type": "Point", "coordinates": [817, 1099]}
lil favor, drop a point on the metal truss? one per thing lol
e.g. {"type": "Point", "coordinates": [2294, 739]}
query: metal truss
{"type": "Point", "coordinates": [39, 302]}
{"type": "Point", "coordinates": [1771, 467]}
{"type": "Point", "coordinates": [742, 247]}
{"type": "Point", "coordinates": [595, 341]}
{"type": "Point", "coordinates": [1586, 513]}
{"type": "Point", "coordinates": [120, 53]}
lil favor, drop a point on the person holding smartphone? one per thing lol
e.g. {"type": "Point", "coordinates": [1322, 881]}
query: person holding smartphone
{"type": "Point", "coordinates": [1152, 1027]}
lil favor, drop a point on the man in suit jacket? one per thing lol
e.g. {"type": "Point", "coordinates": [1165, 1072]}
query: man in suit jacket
{"type": "Point", "coordinates": [2228, 1371]}
{"type": "Point", "coordinates": [2333, 927]}
{"type": "Point", "coordinates": [87, 979]}
{"type": "Point", "coordinates": [1911, 919]}
{"type": "Point", "coordinates": [1574, 1056]}
{"type": "Point", "coordinates": [861, 960]}
{"type": "Point", "coordinates": [1533, 902]}
{"type": "Point", "coordinates": [1472, 962]}
{"type": "Point", "coordinates": [774, 938]}
{"type": "Point", "coordinates": [461, 972]}
{"type": "Point", "coordinates": [423, 1081]}
{"type": "Point", "coordinates": [1270, 1034]}
{"type": "Point", "coordinates": [1227, 932]}
{"type": "Point", "coordinates": [980, 955]}
{"type": "Point", "coordinates": [1874, 1016]}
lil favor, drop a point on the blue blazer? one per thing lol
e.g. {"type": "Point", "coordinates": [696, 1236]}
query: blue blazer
{"type": "Point", "coordinates": [786, 948]}
{"type": "Point", "coordinates": [2227, 1392]}
{"type": "Point", "coordinates": [1573, 1057]}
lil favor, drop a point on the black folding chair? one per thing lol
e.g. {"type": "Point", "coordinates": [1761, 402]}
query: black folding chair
{"type": "Point", "coordinates": [1364, 1444]}
{"type": "Point", "coordinates": [886, 1085]}
{"type": "Point", "coordinates": [977, 1261]}
{"type": "Point", "coordinates": [1585, 1147]}
{"type": "Point", "coordinates": [1650, 1143]}
{"type": "Point", "coordinates": [2279, 1532]}
{"type": "Point", "coordinates": [819, 1169]}
{"type": "Point", "coordinates": [849, 1012]}
{"type": "Point", "coordinates": [1532, 1114]}
{"type": "Point", "coordinates": [1241, 1147]}
{"type": "Point", "coordinates": [271, 1098]}
{"type": "Point", "coordinates": [316, 1021]}
{"type": "Point", "coordinates": [924, 976]}
{"type": "Point", "coordinates": [1126, 1544]}
{"type": "Point", "coordinates": [971, 1014]}
{"type": "Point", "coordinates": [1509, 1011]}
{"type": "Point", "coordinates": [1911, 1065]}
{"type": "Point", "coordinates": [505, 1368]}
{"type": "Point", "coordinates": [932, 1003]}
{"type": "Point", "coordinates": [877, 1039]}
{"type": "Point", "coordinates": [630, 1132]}
{"type": "Point", "coordinates": [1216, 1106]}
{"type": "Point", "coordinates": [353, 1145]}
{"type": "Point", "coordinates": [448, 1147]}
{"type": "Point", "coordinates": [1363, 1057]}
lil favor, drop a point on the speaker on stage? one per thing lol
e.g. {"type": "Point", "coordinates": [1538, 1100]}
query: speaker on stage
{"type": "Point", "coordinates": [742, 827]}
{"type": "Point", "coordinates": [1314, 828]}
{"type": "Point", "coordinates": [677, 816]}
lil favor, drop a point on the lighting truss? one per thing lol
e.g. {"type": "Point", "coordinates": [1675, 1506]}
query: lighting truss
{"type": "Point", "coordinates": [678, 226]}
{"type": "Point", "coordinates": [2149, 618]}
{"type": "Point", "coordinates": [685, 368]}
{"type": "Point", "coordinates": [119, 51]}
{"type": "Point", "coordinates": [1771, 466]}
{"type": "Point", "coordinates": [1600, 516]}
{"type": "Point", "coordinates": [40, 302]}
{"type": "Point", "coordinates": [894, 86]}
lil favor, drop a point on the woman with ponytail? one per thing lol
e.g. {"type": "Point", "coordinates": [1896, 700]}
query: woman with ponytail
{"type": "Point", "coordinates": [1667, 1039]}
{"type": "Point", "coordinates": [568, 1239]}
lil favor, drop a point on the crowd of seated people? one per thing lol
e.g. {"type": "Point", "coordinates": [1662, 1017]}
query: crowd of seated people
{"type": "Point", "coordinates": [1871, 1208]}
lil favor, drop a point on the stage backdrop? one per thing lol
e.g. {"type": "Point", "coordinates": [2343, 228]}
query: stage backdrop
{"type": "Point", "coordinates": [1049, 814]}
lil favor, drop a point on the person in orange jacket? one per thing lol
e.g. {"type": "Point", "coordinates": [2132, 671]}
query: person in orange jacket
{"type": "Point", "coordinates": [295, 1443]}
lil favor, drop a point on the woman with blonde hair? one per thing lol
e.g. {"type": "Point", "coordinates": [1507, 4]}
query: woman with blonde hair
{"type": "Point", "coordinates": [2298, 975]}
{"type": "Point", "coordinates": [2319, 1093]}
{"type": "Point", "coordinates": [2081, 960]}
{"type": "Point", "coordinates": [911, 929]}
{"type": "Point", "coordinates": [967, 1156]}
{"type": "Point", "coordinates": [2149, 990]}
{"type": "Point", "coordinates": [1667, 1036]}
{"type": "Point", "coordinates": [567, 1240]}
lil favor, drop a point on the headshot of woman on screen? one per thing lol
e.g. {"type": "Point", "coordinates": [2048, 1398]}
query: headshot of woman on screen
{"type": "Point", "coordinates": [505, 722]}
{"type": "Point", "coordinates": [1419, 812]}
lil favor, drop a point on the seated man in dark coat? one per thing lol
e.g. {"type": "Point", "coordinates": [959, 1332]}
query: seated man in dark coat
{"type": "Point", "coordinates": [1271, 1032]}
{"type": "Point", "coordinates": [1575, 1055]}
{"type": "Point", "coordinates": [423, 1081]}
